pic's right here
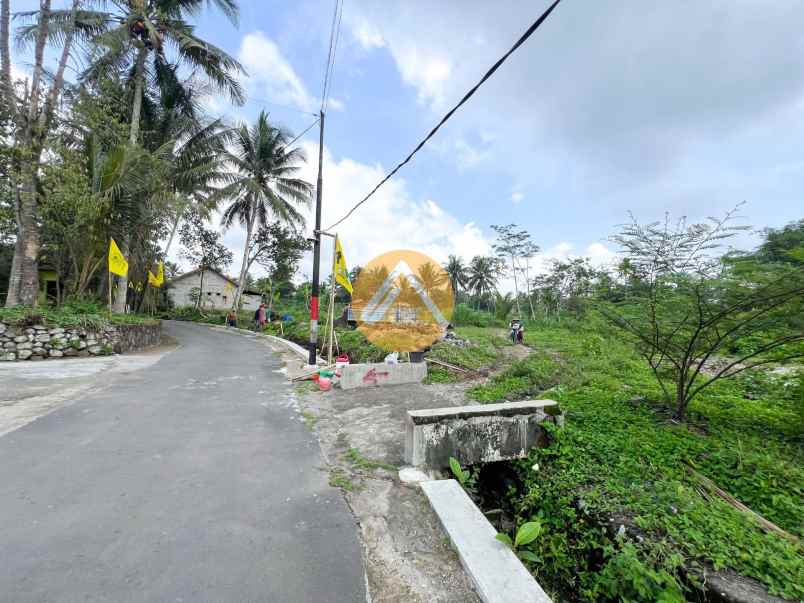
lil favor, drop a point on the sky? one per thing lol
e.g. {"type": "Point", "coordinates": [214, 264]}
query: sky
{"type": "Point", "coordinates": [610, 107]}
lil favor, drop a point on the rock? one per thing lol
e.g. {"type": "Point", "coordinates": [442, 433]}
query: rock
{"type": "Point", "coordinates": [24, 354]}
{"type": "Point", "coordinates": [40, 327]}
{"type": "Point", "coordinates": [95, 349]}
{"type": "Point", "coordinates": [3, 327]}
{"type": "Point", "coordinates": [82, 344]}
{"type": "Point", "coordinates": [44, 338]}
{"type": "Point", "coordinates": [30, 331]}
{"type": "Point", "coordinates": [38, 351]}
{"type": "Point", "coordinates": [56, 331]}
{"type": "Point", "coordinates": [10, 345]}
{"type": "Point", "coordinates": [20, 338]}
{"type": "Point", "coordinates": [83, 353]}
{"type": "Point", "coordinates": [36, 358]}
{"type": "Point", "coordinates": [8, 356]}
{"type": "Point", "coordinates": [25, 345]}
{"type": "Point", "coordinates": [55, 353]}
{"type": "Point", "coordinates": [70, 352]}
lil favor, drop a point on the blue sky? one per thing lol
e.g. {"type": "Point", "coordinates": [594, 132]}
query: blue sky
{"type": "Point", "coordinates": [611, 107]}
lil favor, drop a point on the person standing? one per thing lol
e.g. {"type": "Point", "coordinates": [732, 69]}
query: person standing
{"type": "Point", "coordinates": [259, 318]}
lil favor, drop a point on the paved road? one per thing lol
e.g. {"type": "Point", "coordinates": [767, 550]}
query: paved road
{"type": "Point", "coordinates": [188, 480]}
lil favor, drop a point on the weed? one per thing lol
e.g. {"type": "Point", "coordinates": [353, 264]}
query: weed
{"type": "Point", "coordinates": [361, 462]}
{"type": "Point", "coordinates": [310, 419]}
{"type": "Point", "coordinates": [338, 479]}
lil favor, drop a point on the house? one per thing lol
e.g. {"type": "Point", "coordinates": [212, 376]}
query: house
{"type": "Point", "coordinates": [217, 291]}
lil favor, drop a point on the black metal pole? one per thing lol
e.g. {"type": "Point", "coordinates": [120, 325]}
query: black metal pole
{"type": "Point", "coordinates": [316, 246]}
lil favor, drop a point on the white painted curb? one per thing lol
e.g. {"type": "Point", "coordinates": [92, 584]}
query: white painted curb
{"type": "Point", "coordinates": [497, 573]}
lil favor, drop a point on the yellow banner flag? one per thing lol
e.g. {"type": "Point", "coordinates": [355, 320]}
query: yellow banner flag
{"type": "Point", "coordinates": [339, 267]}
{"type": "Point", "coordinates": [159, 279]}
{"type": "Point", "coordinates": [117, 263]}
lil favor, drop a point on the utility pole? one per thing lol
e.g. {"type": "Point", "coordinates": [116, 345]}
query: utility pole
{"type": "Point", "coordinates": [316, 244]}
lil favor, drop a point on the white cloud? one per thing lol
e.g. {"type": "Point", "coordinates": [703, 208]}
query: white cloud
{"type": "Point", "coordinates": [271, 76]}
{"type": "Point", "coordinates": [467, 156]}
{"type": "Point", "coordinates": [366, 34]}
{"type": "Point", "coordinates": [516, 197]}
{"type": "Point", "coordinates": [335, 104]}
{"type": "Point", "coordinates": [391, 219]}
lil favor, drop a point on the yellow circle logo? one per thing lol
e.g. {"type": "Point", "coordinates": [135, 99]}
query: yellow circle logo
{"type": "Point", "coordinates": [402, 301]}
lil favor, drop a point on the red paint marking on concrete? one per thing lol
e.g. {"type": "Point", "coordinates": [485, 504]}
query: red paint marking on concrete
{"type": "Point", "coordinates": [372, 375]}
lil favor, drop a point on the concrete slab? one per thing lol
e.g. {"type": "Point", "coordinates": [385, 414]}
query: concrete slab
{"type": "Point", "coordinates": [371, 374]}
{"type": "Point", "coordinates": [480, 433]}
{"type": "Point", "coordinates": [497, 573]}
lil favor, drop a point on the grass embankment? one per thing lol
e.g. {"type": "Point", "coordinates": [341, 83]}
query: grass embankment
{"type": "Point", "coordinates": [88, 315]}
{"type": "Point", "coordinates": [620, 460]}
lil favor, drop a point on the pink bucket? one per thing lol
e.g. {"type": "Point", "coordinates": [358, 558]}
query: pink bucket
{"type": "Point", "coordinates": [324, 383]}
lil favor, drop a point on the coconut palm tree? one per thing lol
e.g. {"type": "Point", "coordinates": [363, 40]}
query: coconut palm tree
{"type": "Point", "coordinates": [483, 273]}
{"type": "Point", "coordinates": [456, 270]}
{"type": "Point", "coordinates": [262, 184]}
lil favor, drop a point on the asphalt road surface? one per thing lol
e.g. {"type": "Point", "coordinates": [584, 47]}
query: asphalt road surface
{"type": "Point", "coordinates": [190, 480]}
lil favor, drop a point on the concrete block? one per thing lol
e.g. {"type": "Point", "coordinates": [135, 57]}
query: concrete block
{"type": "Point", "coordinates": [481, 433]}
{"type": "Point", "coordinates": [497, 573]}
{"type": "Point", "coordinates": [366, 375]}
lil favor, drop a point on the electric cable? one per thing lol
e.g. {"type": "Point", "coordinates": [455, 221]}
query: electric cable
{"type": "Point", "coordinates": [446, 117]}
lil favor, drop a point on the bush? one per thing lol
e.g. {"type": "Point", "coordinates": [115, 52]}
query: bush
{"type": "Point", "coordinates": [463, 315]}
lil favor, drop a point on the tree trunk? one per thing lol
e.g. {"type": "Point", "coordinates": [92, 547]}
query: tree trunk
{"type": "Point", "coordinates": [5, 55]}
{"type": "Point", "coordinates": [241, 284]}
{"type": "Point", "coordinates": [516, 287]}
{"type": "Point", "coordinates": [28, 265]}
{"type": "Point", "coordinates": [15, 276]}
{"type": "Point", "coordinates": [681, 395]}
{"type": "Point", "coordinates": [198, 303]}
{"type": "Point", "coordinates": [139, 85]}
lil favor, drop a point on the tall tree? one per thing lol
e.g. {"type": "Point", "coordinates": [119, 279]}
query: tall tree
{"type": "Point", "coordinates": [456, 270]}
{"type": "Point", "coordinates": [513, 245]}
{"type": "Point", "coordinates": [261, 184]}
{"type": "Point", "coordinates": [484, 272]}
{"type": "Point", "coordinates": [32, 115]}
{"type": "Point", "coordinates": [688, 305]}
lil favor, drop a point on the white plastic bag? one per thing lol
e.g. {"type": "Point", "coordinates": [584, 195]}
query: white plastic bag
{"type": "Point", "coordinates": [392, 358]}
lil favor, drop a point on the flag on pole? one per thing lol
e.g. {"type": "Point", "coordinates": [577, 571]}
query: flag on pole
{"type": "Point", "coordinates": [117, 263]}
{"type": "Point", "coordinates": [339, 267]}
{"type": "Point", "coordinates": [159, 279]}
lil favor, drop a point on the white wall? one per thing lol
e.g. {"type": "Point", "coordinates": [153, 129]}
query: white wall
{"type": "Point", "coordinates": [218, 293]}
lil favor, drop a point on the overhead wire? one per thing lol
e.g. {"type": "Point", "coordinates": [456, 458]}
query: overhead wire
{"type": "Point", "coordinates": [307, 129]}
{"type": "Point", "coordinates": [334, 35]}
{"type": "Point", "coordinates": [528, 32]}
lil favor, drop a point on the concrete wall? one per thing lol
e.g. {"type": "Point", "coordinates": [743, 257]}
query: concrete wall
{"type": "Point", "coordinates": [218, 292]}
{"type": "Point", "coordinates": [482, 433]}
{"type": "Point", "coordinates": [38, 342]}
{"type": "Point", "coordinates": [368, 375]}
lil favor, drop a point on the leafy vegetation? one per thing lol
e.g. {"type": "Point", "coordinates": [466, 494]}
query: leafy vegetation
{"type": "Point", "coordinates": [88, 315]}
{"type": "Point", "coordinates": [622, 460]}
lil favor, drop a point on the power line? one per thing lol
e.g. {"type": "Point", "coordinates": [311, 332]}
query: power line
{"type": "Point", "coordinates": [334, 35]}
{"type": "Point", "coordinates": [444, 119]}
{"type": "Point", "coordinates": [307, 129]}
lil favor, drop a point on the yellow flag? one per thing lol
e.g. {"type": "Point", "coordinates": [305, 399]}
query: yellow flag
{"type": "Point", "coordinates": [117, 263]}
{"type": "Point", "coordinates": [156, 281]}
{"type": "Point", "coordinates": [339, 267]}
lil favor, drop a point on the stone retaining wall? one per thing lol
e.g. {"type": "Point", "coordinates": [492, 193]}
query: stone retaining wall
{"type": "Point", "coordinates": [38, 342]}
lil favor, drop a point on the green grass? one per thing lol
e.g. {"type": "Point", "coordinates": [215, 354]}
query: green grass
{"type": "Point", "coordinates": [621, 457]}
{"type": "Point", "coordinates": [89, 316]}
{"type": "Point", "coordinates": [361, 462]}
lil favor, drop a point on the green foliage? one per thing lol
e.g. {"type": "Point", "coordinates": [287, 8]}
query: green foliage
{"type": "Point", "coordinates": [464, 477]}
{"type": "Point", "coordinates": [89, 315]}
{"type": "Point", "coordinates": [463, 315]}
{"type": "Point", "coordinates": [621, 461]}
{"type": "Point", "coordinates": [525, 378]}
{"type": "Point", "coordinates": [361, 462]}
